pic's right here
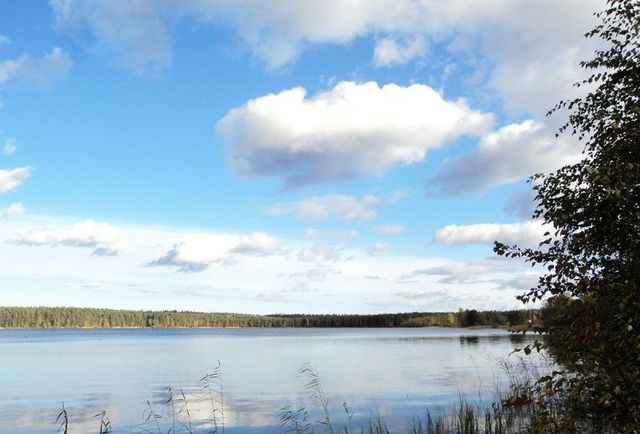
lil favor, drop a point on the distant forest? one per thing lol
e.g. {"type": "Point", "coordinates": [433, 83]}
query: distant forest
{"type": "Point", "coordinates": [70, 317]}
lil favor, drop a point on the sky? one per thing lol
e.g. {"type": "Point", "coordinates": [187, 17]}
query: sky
{"type": "Point", "coordinates": [283, 156]}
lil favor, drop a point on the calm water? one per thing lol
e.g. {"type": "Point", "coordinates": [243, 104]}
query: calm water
{"type": "Point", "coordinates": [393, 373]}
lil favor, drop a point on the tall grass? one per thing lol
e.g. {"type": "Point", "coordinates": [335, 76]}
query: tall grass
{"type": "Point", "coordinates": [463, 417]}
{"type": "Point", "coordinates": [173, 414]}
{"type": "Point", "coordinates": [63, 420]}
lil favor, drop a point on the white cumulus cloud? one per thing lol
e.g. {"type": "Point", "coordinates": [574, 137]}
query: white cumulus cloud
{"type": "Point", "coordinates": [10, 179]}
{"type": "Point", "coordinates": [345, 207]}
{"type": "Point", "coordinates": [352, 130]}
{"type": "Point", "coordinates": [104, 239]}
{"type": "Point", "coordinates": [523, 233]}
{"type": "Point", "coordinates": [198, 251]}
{"type": "Point", "coordinates": [511, 153]}
{"type": "Point", "coordinates": [42, 71]}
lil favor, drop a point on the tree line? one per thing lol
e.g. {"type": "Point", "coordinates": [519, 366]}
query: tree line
{"type": "Point", "coordinates": [73, 317]}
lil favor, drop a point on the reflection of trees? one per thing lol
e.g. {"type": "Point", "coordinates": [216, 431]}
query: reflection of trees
{"type": "Point", "coordinates": [515, 339]}
{"type": "Point", "coordinates": [471, 341]}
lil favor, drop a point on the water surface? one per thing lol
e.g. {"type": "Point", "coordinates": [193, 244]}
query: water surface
{"type": "Point", "coordinates": [393, 373]}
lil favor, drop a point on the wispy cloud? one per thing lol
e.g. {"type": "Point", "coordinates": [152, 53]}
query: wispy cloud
{"type": "Point", "coordinates": [390, 51]}
{"type": "Point", "coordinates": [337, 234]}
{"type": "Point", "coordinates": [13, 210]}
{"type": "Point", "coordinates": [344, 207]}
{"type": "Point", "coordinates": [496, 273]}
{"type": "Point", "coordinates": [40, 72]}
{"type": "Point", "coordinates": [388, 229]}
{"type": "Point", "coordinates": [379, 246]}
{"type": "Point", "coordinates": [196, 252]}
{"type": "Point", "coordinates": [104, 239]}
{"type": "Point", "coordinates": [10, 146]}
{"type": "Point", "coordinates": [323, 252]}
{"type": "Point", "coordinates": [10, 179]}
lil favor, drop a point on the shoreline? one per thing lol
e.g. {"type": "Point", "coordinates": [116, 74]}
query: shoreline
{"type": "Point", "coordinates": [487, 327]}
{"type": "Point", "coordinates": [97, 318]}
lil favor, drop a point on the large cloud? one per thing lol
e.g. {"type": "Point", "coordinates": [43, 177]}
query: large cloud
{"type": "Point", "coordinates": [524, 233]}
{"type": "Point", "coordinates": [344, 207]}
{"type": "Point", "coordinates": [11, 179]}
{"type": "Point", "coordinates": [349, 131]}
{"type": "Point", "coordinates": [528, 51]}
{"type": "Point", "coordinates": [103, 238]}
{"type": "Point", "coordinates": [41, 72]}
{"type": "Point", "coordinates": [509, 154]}
{"type": "Point", "coordinates": [199, 250]}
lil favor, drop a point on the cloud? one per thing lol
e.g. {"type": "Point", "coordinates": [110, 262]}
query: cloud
{"type": "Point", "coordinates": [350, 131]}
{"type": "Point", "coordinates": [373, 277]}
{"type": "Point", "coordinates": [10, 146]}
{"type": "Point", "coordinates": [520, 282]}
{"type": "Point", "coordinates": [131, 34]}
{"type": "Point", "coordinates": [389, 51]}
{"type": "Point", "coordinates": [396, 196]}
{"type": "Point", "coordinates": [379, 246]}
{"type": "Point", "coordinates": [388, 229]}
{"type": "Point", "coordinates": [40, 72]}
{"type": "Point", "coordinates": [196, 252]}
{"type": "Point", "coordinates": [340, 234]}
{"type": "Point", "coordinates": [103, 238]}
{"type": "Point", "coordinates": [521, 202]}
{"type": "Point", "coordinates": [137, 35]}
{"type": "Point", "coordinates": [507, 155]}
{"type": "Point", "coordinates": [437, 294]}
{"type": "Point", "coordinates": [316, 273]}
{"type": "Point", "coordinates": [528, 52]}
{"type": "Point", "coordinates": [297, 266]}
{"type": "Point", "coordinates": [13, 210]}
{"type": "Point", "coordinates": [10, 179]}
{"type": "Point", "coordinates": [323, 252]}
{"type": "Point", "coordinates": [4, 40]}
{"type": "Point", "coordinates": [344, 207]}
{"type": "Point", "coordinates": [457, 272]}
{"type": "Point", "coordinates": [536, 50]}
{"type": "Point", "coordinates": [524, 233]}
{"type": "Point", "coordinates": [498, 273]}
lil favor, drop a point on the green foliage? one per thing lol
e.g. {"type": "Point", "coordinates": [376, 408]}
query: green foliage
{"type": "Point", "coordinates": [54, 317]}
{"type": "Point", "coordinates": [593, 256]}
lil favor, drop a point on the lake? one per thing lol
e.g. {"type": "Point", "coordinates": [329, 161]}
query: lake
{"type": "Point", "coordinates": [392, 373]}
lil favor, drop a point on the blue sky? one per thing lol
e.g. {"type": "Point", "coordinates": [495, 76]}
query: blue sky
{"type": "Point", "coordinates": [282, 156]}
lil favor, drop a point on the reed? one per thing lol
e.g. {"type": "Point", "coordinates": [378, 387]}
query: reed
{"type": "Point", "coordinates": [63, 420]}
{"type": "Point", "coordinates": [105, 423]}
{"type": "Point", "coordinates": [173, 415]}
